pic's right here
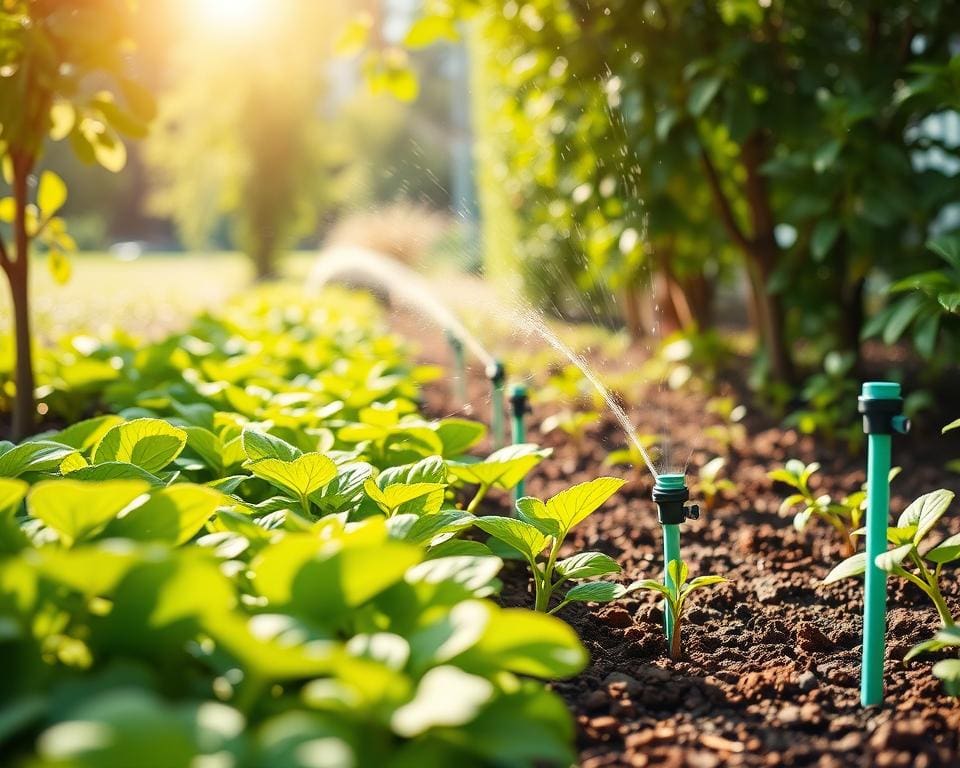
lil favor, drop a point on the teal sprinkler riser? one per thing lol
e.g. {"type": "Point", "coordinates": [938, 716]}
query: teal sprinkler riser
{"type": "Point", "coordinates": [519, 408]}
{"type": "Point", "coordinates": [460, 366]}
{"type": "Point", "coordinates": [670, 495]}
{"type": "Point", "coordinates": [498, 376]}
{"type": "Point", "coordinates": [882, 407]}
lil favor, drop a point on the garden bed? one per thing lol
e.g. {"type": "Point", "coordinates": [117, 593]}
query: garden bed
{"type": "Point", "coordinates": [771, 668]}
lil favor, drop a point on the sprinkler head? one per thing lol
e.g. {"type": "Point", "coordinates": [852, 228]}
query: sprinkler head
{"type": "Point", "coordinates": [496, 373]}
{"type": "Point", "coordinates": [882, 407]}
{"type": "Point", "coordinates": [519, 399]}
{"type": "Point", "coordinates": [670, 495]}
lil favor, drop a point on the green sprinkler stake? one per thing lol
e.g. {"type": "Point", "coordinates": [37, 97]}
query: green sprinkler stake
{"type": "Point", "coordinates": [882, 409]}
{"type": "Point", "coordinates": [460, 366]}
{"type": "Point", "coordinates": [498, 376]}
{"type": "Point", "coordinates": [519, 407]}
{"type": "Point", "coordinates": [670, 495]}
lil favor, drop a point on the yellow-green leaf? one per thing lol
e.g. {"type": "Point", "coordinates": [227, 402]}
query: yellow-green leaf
{"type": "Point", "coordinates": [151, 444]}
{"type": "Point", "coordinates": [51, 194]}
{"type": "Point", "coordinates": [77, 510]}
{"type": "Point", "coordinates": [574, 504]}
{"type": "Point", "coordinates": [301, 476]}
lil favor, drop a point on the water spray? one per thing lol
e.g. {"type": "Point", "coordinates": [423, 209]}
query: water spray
{"type": "Point", "coordinates": [882, 408]}
{"type": "Point", "coordinates": [519, 408]}
{"type": "Point", "coordinates": [498, 376]}
{"type": "Point", "coordinates": [670, 495]}
{"type": "Point", "coordinates": [460, 366]}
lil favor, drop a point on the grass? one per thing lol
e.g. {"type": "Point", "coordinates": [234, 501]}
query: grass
{"type": "Point", "coordinates": [150, 296]}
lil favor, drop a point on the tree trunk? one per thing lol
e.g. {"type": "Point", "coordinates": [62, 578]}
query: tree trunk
{"type": "Point", "coordinates": [18, 275]}
{"type": "Point", "coordinates": [631, 312]}
{"type": "Point", "coordinates": [764, 253]}
{"type": "Point", "coordinates": [263, 260]}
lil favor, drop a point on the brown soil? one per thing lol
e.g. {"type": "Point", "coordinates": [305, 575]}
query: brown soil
{"type": "Point", "coordinates": [770, 674]}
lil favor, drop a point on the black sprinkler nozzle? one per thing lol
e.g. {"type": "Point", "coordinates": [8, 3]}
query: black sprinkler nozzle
{"type": "Point", "coordinates": [672, 507]}
{"type": "Point", "coordinates": [496, 373]}
{"type": "Point", "coordinates": [883, 415]}
{"type": "Point", "coordinates": [519, 400]}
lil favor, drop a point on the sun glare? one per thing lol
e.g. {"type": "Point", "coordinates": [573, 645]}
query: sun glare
{"type": "Point", "coordinates": [230, 17]}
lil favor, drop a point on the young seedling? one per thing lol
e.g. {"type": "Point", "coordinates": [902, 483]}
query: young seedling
{"type": "Point", "coordinates": [845, 515]}
{"type": "Point", "coordinates": [676, 595]}
{"type": "Point", "coordinates": [538, 533]}
{"type": "Point", "coordinates": [709, 485]}
{"type": "Point", "coordinates": [905, 559]}
{"type": "Point", "coordinates": [946, 671]}
{"type": "Point", "coordinates": [731, 431]}
{"type": "Point", "coordinates": [573, 423]}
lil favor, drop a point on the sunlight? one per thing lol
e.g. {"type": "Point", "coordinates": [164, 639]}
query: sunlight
{"type": "Point", "coordinates": [230, 17]}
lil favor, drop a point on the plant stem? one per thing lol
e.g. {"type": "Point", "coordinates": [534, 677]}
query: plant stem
{"type": "Point", "coordinates": [544, 593]}
{"type": "Point", "coordinates": [478, 497]}
{"type": "Point", "coordinates": [675, 652]}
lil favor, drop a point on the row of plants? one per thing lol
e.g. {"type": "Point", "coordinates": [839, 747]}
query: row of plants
{"type": "Point", "coordinates": [916, 554]}
{"type": "Point", "coordinates": [259, 552]}
{"type": "Point", "coordinates": [254, 558]}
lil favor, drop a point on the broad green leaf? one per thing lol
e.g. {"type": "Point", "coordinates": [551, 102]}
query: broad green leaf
{"type": "Point", "coordinates": [173, 515]}
{"type": "Point", "coordinates": [946, 637]}
{"type": "Point", "coordinates": [947, 248]}
{"type": "Point", "coordinates": [520, 535]}
{"type": "Point", "coordinates": [446, 697]}
{"type": "Point", "coordinates": [678, 570]}
{"type": "Point", "coordinates": [701, 581]}
{"type": "Point", "coordinates": [85, 434]}
{"type": "Point", "coordinates": [503, 468]}
{"type": "Point", "coordinates": [93, 569]}
{"type": "Point", "coordinates": [824, 235]}
{"type": "Point", "coordinates": [260, 445]}
{"type": "Point", "coordinates": [526, 643]}
{"type": "Point", "coordinates": [595, 592]}
{"type": "Point", "coordinates": [574, 504]}
{"type": "Point", "coordinates": [35, 456]}
{"type": "Point", "coordinates": [476, 573]}
{"type": "Point", "coordinates": [12, 493]}
{"type": "Point", "coordinates": [459, 435]}
{"type": "Point", "coordinates": [946, 551]}
{"type": "Point", "coordinates": [925, 511]}
{"type": "Point", "coordinates": [51, 194]}
{"type": "Point", "coordinates": [429, 470]}
{"type": "Point", "coordinates": [151, 444]}
{"type": "Point", "coordinates": [947, 672]}
{"type": "Point", "coordinates": [586, 564]}
{"type": "Point", "coordinates": [423, 529]}
{"type": "Point", "coordinates": [430, 29]}
{"type": "Point", "coordinates": [392, 497]}
{"type": "Point", "coordinates": [852, 566]}
{"type": "Point", "coordinates": [651, 585]}
{"type": "Point", "coordinates": [301, 476]}
{"type": "Point", "coordinates": [77, 510]}
{"type": "Point", "coordinates": [114, 470]}
{"type": "Point", "coordinates": [534, 511]}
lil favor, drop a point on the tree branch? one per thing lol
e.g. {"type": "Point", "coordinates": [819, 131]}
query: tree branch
{"type": "Point", "coordinates": [4, 256]}
{"type": "Point", "coordinates": [722, 201]}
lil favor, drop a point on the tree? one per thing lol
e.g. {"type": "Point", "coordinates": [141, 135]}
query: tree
{"type": "Point", "coordinates": [241, 135]}
{"type": "Point", "coordinates": [794, 122]}
{"type": "Point", "coordinates": [64, 76]}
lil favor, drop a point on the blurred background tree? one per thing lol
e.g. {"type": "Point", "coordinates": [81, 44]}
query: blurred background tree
{"type": "Point", "coordinates": [620, 140]}
{"type": "Point", "coordinates": [65, 76]}
{"type": "Point", "coordinates": [241, 136]}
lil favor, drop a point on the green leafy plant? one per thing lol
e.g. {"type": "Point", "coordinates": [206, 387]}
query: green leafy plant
{"type": "Point", "coordinates": [905, 560]}
{"type": "Point", "coordinates": [844, 516]}
{"type": "Point", "coordinates": [538, 533]}
{"type": "Point", "coordinates": [929, 305]}
{"type": "Point", "coordinates": [710, 486]}
{"type": "Point", "coordinates": [730, 431]}
{"type": "Point", "coordinates": [503, 469]}
{"type": "Point", "coordinates": [675, 594]}
{"type": "Point", "coordinates": [945, 670]}
{"type": "Point", "coordinates": [574, 424]}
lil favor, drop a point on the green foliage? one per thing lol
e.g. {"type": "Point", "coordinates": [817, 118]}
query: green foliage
{"type": "Point", "coordinates": [710, 486]}
{"type": "Point", "coordinates": [214, 573]}
{"type": "Point", "coordinates": [906, 537]}
{"type": "Point", "coordinates": [572, 423]}
{"type": "Point", "coordinates": [844, 515]}
{"type": "Point", "coordinates": [538, 533]}
{"type": "Point", "coordinates": [675, 594]}
{"type": "Point", "coordinates": [929, 307]}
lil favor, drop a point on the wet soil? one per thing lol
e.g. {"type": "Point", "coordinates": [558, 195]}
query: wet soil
{"type": "Point", "coordinates": [771, 660]}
